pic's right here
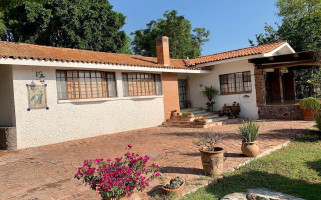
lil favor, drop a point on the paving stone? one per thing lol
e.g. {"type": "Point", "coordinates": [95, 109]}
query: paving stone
{"type": "Point", "coordinates": [47, 172]}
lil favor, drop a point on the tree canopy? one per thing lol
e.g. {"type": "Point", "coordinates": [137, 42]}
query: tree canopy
{"type": "Point", "coordinates": [300, 25]}
{"type": "Point", "coordinates": [184, 42]}
{"type": "Point", "coordinates": [82, 24]}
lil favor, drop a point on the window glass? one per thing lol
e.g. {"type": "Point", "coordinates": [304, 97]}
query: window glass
{"type": "Point", "coordinates": [236, 82]}
{"type": "Point", "coordinates": [141, 84]}
{"type": "Point", "coordinates": [85, 84]}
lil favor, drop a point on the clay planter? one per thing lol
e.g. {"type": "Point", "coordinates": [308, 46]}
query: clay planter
{"type": "Point", "coordinates": [212, 161]}
{"type": "Point", "coordinates": [250, 149]}
{"type": "Point", "coordinates": [308, 115]}
{"type": "Point", "coordinates": [200, 123]}
{"type": "Point", "coordinates": [114, 198]}
{"type": "Point", "coordinates": [173, 191]}
{"type": "Point", "coordinates": [111, 198]}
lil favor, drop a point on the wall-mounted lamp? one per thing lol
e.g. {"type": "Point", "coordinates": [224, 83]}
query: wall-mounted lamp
{"type": "Point", "coordinates": [32, 85]}
{"type": "Point", "coordinates": [40, 76]}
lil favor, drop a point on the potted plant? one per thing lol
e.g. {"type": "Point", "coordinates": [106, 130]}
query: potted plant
{"type": "Point", "coordinates": [249, 131]}
{"type": "Point", "coordinates": [309, 106]}
{"type": "Point", "coordinates": [200, 120]}
{"type": "Point", "coordinates": [210, 93]}
{"type": "Point", "coordinates": [187, 114]}
{"type": "Point", "coordinates": [211, 155]}
{"type": "Point", "coordinates": [175, 186]}
{"type": "Point", "coordinates": [117, 178]}
{"type": "Point", "coordinates": [173, 112]}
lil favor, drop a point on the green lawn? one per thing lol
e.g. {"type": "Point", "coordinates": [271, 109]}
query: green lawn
{"type": "Point", "coordinates": [294, 170]}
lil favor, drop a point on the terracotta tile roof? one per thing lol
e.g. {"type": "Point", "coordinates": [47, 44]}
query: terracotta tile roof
{"type": "Point", "coordinates": [260, 49]}
{"type": "Point", "coordinates": [37, 52]}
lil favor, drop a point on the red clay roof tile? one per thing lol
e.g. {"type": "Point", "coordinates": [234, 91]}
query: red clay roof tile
{"type": "Point", "coordinates": [260, 49]}
{"type": "Point", "coordinates": [37, 52]}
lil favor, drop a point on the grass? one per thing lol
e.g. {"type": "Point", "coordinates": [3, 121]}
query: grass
{"type": "Point", "coordinates": [294, 170]}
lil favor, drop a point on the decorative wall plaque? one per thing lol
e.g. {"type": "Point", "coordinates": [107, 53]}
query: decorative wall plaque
{"type": "Point", "coordinates": [246, 98]}
{"type": "Point", "coordinates": [37, 96]}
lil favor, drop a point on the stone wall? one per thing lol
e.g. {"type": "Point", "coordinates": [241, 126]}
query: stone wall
{"type": "Point", "coordinates": [291, 112]}
{"type": "Point", "coordinates": [259, 87]}
{"type": "Point", "coordinates": [8, 138]}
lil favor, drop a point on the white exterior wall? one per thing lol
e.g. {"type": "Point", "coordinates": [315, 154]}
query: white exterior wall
{"type": "Point", "coordinates": [70, 120]}
{"type": "Point", "coordinates": [248, 109]}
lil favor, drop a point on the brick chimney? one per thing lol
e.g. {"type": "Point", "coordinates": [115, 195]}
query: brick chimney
{"type": "Point", "coordinates": [162, 47]}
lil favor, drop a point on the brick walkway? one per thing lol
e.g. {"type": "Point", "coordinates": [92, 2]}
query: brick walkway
{"type": "Point", "coordinates": [47, 172]}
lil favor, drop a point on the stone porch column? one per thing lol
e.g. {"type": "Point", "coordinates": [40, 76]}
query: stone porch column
{"type": "Point", "coordinates": [259, 87]}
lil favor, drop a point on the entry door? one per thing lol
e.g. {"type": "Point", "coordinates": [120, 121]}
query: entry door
{"type": "Point", "coordinates": [182, 93]}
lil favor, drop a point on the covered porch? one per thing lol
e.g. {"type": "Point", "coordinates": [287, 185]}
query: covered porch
{"type": "Point", "coordinates": [278, 93]}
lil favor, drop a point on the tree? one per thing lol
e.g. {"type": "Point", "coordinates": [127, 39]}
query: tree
{"type": "Point", "coordinates": [81, 24]}
{"type": "Point", "coordinates": [6, 5]}
{"type": "Point", "coordinates": [300, 25]}
{"type": "Point", "coordinates": [182, 40]}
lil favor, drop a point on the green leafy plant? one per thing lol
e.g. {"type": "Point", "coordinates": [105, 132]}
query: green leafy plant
{"type": "Point", "coordinates": [186, 114]}
{"type": "Point", "coordinates": [210, 93]}
{"type": "Point", "coordinates": [310, 103]}
{"type": "Point", "coordinates": [249, 131]}
{"type": "Point", "coordinates": [174, 183]}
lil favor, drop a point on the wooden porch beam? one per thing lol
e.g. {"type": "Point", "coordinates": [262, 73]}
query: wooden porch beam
{"type": "Point", "coordinates": [276, 66]}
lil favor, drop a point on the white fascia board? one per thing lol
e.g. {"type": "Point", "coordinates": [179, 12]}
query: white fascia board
{"type": "Point", "coordinates": [278, 49]}
{"type": "Point", "coordinates": [79, 65]}
{"type": "Point", "coordinates": [229, 60]}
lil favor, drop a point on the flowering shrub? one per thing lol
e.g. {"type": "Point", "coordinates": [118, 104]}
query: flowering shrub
{"type": "Point", "coordinates": [200, 119]}
{"type": "Point", "coordinates": [119, 177]}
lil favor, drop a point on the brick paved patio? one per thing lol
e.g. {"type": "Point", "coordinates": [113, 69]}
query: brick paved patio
{"type": "Point", "coordinates": [47, 172]}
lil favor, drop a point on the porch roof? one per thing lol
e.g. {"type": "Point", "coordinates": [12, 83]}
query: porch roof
{"type": "Point", "coordinates": [300, 59]}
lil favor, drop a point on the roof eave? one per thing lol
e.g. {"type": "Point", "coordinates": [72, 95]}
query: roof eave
{"type": "Point", "coordinates": [95, 66]}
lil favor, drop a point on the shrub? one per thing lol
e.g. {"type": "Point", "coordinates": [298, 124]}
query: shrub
{"type": "Point", "coordinates": [249, 131]}
{"type": "Point", "coordinates": [310, 103]}
{"type": "Point", "coordinates": [120, 177]}
{"type": "Point", "coordinates": [208, 139]}
{"type": "Point", "coordinates": [200, 119]}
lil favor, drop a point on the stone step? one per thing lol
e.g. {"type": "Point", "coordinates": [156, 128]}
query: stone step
{"type": "Point", "coordinates": [212, 116]}
{"type": "Point", "coordinates": [205, 114]}
{"type": "Point", "coordinates": [199, 112]}
{"type": "Point", "coordinates": [190, 109]}
{"type": "Point", "coordinates": [217, 119]}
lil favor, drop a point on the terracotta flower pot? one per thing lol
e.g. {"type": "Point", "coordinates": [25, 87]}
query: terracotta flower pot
{"type": "Point", "coordinates": [250, 149]}
{"type": "Point", "coordinates": [111, 198]}
{"type": "Point", "coordinates": [114, 198]}
{"type": "Point", "coordinates": [212, 161]}
{"type": "Point", "coordinates": [308, 115]}
{"type": "Point", "coordinates": [174, 191]}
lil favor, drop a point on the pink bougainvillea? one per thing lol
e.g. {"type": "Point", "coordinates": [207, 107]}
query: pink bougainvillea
{"type": "Point", "coordinates": [119, 177]}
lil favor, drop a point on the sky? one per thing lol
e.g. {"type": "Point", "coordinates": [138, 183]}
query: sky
{"type": "Point", "coordinates": [231, 22]}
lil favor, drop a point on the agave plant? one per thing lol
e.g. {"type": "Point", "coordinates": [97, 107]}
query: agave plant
{"type": "Point", "coordinates": [249, 131]}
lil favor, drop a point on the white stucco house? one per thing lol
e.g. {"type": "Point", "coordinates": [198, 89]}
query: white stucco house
{"type": "Point", "coordinates": [50, 95]}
